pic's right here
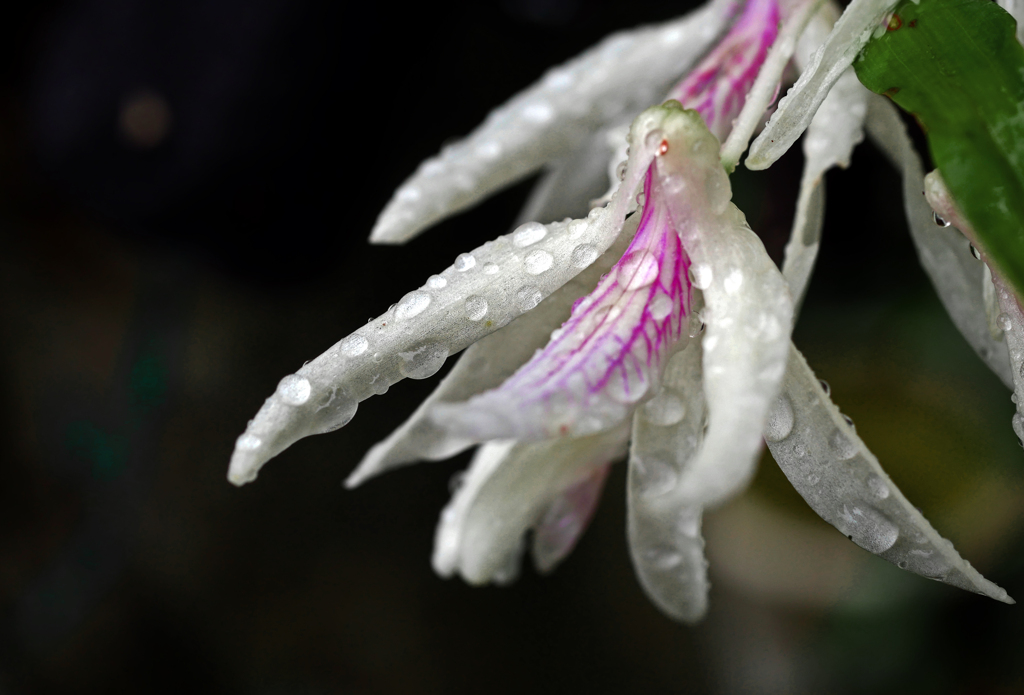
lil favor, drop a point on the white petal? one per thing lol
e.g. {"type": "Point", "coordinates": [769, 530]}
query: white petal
{"type": "Point", "coordinates": [841, 480]}
{"type": "Point", "coordinates": [483, 291]}
{"type": "Point", "coordinates": [798, 107]}
{"type": "Point", "coordinates": [509, 489]}
{"type": "Point", "coordinates": [944, 252]}
{"type": "Point", "coordinates": [1011, 321]}
{"type": "Point", "coordinates": [665, 541]}
{"type": "Point", "coordinates": [836, 129]}
{"type": "Point", "coordinates": [623, 74]}
{"type": "Point", "coordinates": [484, 365]}
{"type": "Point", "coordinates": [1015, 8]}
{"type": "Point", "coordinates": [763, 90]}
{"type": "Point", "coordinates": [565, 520]}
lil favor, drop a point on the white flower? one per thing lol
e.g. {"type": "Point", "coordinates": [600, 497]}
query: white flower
{"type": "Point", "coordinates": [578, 332]}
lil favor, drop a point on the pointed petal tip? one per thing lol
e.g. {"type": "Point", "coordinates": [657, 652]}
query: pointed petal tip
{"type": "Point", "coordinates": [245, 465]}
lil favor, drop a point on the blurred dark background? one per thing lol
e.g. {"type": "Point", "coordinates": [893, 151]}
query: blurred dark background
{"type": "Point", "coordinates": [185, 193]}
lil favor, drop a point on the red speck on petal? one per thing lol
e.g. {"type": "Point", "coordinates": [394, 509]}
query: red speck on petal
{"type": "Point", "coordinates": [663, 148]}
{"type": "Point", "coordinates": [895, 23]}
{"type": "Point", "coordinates": [563, 430]}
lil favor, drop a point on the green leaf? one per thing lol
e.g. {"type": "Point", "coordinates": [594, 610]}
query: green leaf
{"type": "Point", "coordinates": [957, 67]}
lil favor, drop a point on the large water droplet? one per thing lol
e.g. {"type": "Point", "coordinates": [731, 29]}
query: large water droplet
{"type": "Point", "coordinates": [583, 255]}
{"type": "Point", "coordinates": [877, 486]}
{"type": "Point", "coordinates": [660, 307]}
{"type": "Point", "coordinates": [665, 409]}
{"type": "Point", "coordinates": [625, 385]}
{"type": "Point", "coordinates": [841, 445]}
{"type": "Point", "coordinates": [538, 261]}
{"type": "Point", "coordinates": [941, 221]}
{"type": "Point", "coordinates": [476, 308]}
{"type": "Point", "coordinates": [335, 411]}
{"type": "Point", "coordinates": [975, 252]}
{"type": "Point", "coordinates": [655, 477]}
{"type": "Point", "coordinates": [867, 527]}
{"type": "Point", "coordinates": [436, 282]}
{"type": "Point", "coordinates": [422, 362]}
{"type": "Point", "coordinates": [412, 304]}
{"type": "Point", "coordinates": [294, 389]}
{"type": "Point", "coordinates": [248, 442]}
{"type": "Point", "coordinates": [577, 228]}
{"type": "Point", "coordinates": [353, 346]}
{"type": "Point", "coordinates": [464, 261]}
{"type": "Point", "coordinates": [825, 387]}
{"type": "Point", "coordinates": [1004, 322]}
{"type": "Point", "coordinates": [528, 297]}
{"type": "Point", "coordinates": [638, 269]}
{"type": "Point", "coordinates": [529, 233]}
{"type": "Point", "coordinates": [700, 275]}
{"type": "Point", "coordinates": [780, 420]}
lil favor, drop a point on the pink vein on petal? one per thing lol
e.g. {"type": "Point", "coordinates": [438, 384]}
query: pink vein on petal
{"type": "Point", "coordinates": [717, 88]}
{"type": "Point", "coordinates": [607, 356]}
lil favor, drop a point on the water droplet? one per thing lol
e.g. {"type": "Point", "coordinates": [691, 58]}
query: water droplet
{"type": "Point", "coordinates": [867, 527]}
{"type": "Point", "coordinates": [842, 446]}
{"type": "Point", "coordinates": [488, 150]}
{"type": "Point", "coordinates": [422, 362]}
{"type": "Point", "coordinates": [638, 269]}
{"type": "Point", "coordinates": [848, 420]}
{"type": "Point", "coordinates": [491, 269]}
{"type": "Point", "coordinates": [353, 345]}
{"type": "Point", "coordinates": [583, 255]}
{"type": "Point", "coordinates": [652, 141]}
{"type": "Point", "coordinates": [248, 442]}
{"type": "Point", "coordinates": [665, 409]}
{"type": "Point", "coordinates": [655, 477]}
{"type": "Point", "coordinates": [294, 389]}
{"type": "Point", "coordinates": [733, 281]}
{"type": "Point", "coordinates": [476, 308]}
{"type": "Point", "coordinates": [941, 221]}
{"type": "Point", "coordinates": [436, 282]}
{"type": "Point", "coordinates": [538, 261]}
{"type": "Point", "coordinates": [539, 112]}
{"type": "Point", "coordinates": [780, 420]}
{"type": "Point", "coordinates": [975, 252]}
{"type": "Point", "coordinates": [825, 387]}
{"type": "Point", "coordinates": [625, 385]}
{"type": "Point", "coordinates": [664, 558]}
{"type": "Point", "coordinates": [902, 564]}
{"type": "Point", "coordinates": [640, 198]}
{"type": "Point", "coordinates": [577, 228]}
{"type": "Point", "coordinates": [877, 486]}
{"type": "Point", "coordinates": [700, 275]}
{"type": "Point", "coordinates": [1004, 323]}
{"type": "Point", "coordinates": [412, 304]}
{"type": "Point", "coordinates": [529, 233]}
{"type": "Point", "coordinates": [660, 307]}
{"type": "Point", "coordinates": [335, 411]}
{"type": "Point", "coordinates": [620, 170]}
{"type": "Point", "coordinates": [528, 297]}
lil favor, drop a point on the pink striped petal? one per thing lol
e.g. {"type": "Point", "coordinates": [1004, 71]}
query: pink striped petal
{"type": "Point", "coordinates": [566, 519]}
{"type": "Point", "coordinates": [606, 357]}
{"type": "Point", "coordinates": [717, 88]}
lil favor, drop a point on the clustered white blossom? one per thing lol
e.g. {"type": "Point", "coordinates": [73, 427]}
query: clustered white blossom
{"type": "Point", "coordinates": [656, 325]}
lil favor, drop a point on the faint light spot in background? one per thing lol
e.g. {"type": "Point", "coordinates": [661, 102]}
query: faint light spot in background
{"type": "Point", "coordinates": [145, 119]}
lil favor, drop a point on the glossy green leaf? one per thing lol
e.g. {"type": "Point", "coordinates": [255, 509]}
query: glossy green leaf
{"type": "Point", "coordinates": [957, 67]}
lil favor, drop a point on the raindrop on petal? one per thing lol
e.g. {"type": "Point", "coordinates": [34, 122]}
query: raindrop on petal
{"type": "Point", "coordinates": [780, 420]}
{"type": "Point", "coordinates": [294, 389]}
{"type": "Point", "coordinates": [529, 233]}
{"type": "Point", "coordinates": [464, 262]}
{"type": "Point", "coordinates": [700, 275]}
{"type": "Point", "coordinates": [538, 261]}
{"type": "Point", "coordinates": [528, 297]}
{"type": "Point", "coordinates": [583, 255]}
{"type": "Point", "coordinates": [412, 304]}
{"type": "Point", "coordinates": [476, 308]}
{"type": "Point", "coordinates": [353, 346]}
{"type": "Point", "coordinates": [422, 362]}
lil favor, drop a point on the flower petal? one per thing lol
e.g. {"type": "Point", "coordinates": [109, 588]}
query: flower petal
{"type": "Point", "coordinates": [836, 129]}
{"type": "Point", "coordinates": [798, 107]}
{"type": "Point", "coordinates": [605, 358]}
{"type": "Point", "coordinates": [568, 516]}
{"type": "Point", "coordinates": [944, 252]}
{"type": "Point", "coordinates": [621, 75]}
{"type": "Point", "coordinates": [841, 480]}
{"type": "Point", "coordinates": [665, 541]}
{"type": "Point", "coordinates": [482, 366]}
{"type": "Point", "coordinates": [718, 86]}
{"type": "Point", "coordinates": [510, 488]}
{"type": "Point", "coordinates": [1015, 8]}
{"type": "Point", "coordinates": [749, 315]}
{"type": "Point", "coordinates": [483, 291]}
{"type": "Point", "coordinates": [764, 88]}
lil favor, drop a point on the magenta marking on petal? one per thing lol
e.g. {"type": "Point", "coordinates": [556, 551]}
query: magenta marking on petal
{"type": "Point", "coordinates": [610, 352]}
{"type": "Point", "coordinates": [717, 88]}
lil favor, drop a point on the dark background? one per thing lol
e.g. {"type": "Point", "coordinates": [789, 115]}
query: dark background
{"type": "Point", "coordinates": [185, 193]}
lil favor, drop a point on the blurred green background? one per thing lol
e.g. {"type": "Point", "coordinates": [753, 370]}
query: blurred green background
{"type": "Point", "coordinates": [185, 191]}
